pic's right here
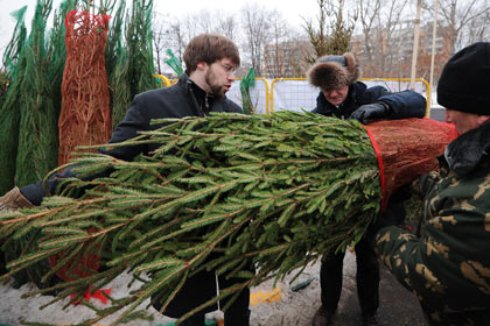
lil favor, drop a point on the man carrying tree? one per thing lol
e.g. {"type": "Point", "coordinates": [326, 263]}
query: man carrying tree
{"type": "Point", "coordinates": [211, 61]}
{"type": "Point", "coordinates": [448, 266]}
{"type": "Point", "coordinates": [343, 96]}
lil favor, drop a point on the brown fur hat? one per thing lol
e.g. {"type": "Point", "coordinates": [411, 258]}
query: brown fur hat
{"type": "Point", "coordinates": [334, 71]}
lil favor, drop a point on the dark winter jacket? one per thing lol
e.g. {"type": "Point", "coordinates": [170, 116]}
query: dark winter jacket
{"type": "Point", "coordinates": [181, 100]}
{"type": "Point", "coordinates": [448, 267]}
{"type": "Point", "coordinates": [406, 104]}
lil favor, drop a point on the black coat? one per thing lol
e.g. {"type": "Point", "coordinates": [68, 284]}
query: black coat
{"type": "Point", "coordinates": [406, 104]}
{"type": "Point", "coordinates": [178, 101]}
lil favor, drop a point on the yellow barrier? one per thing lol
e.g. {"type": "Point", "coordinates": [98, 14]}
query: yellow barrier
{"type": "Point", "coordinates": [164, 80]}
{"type": "Point", "coordinates": [306, 94]}
{"type": "Point", "coordinates": [312, 96]}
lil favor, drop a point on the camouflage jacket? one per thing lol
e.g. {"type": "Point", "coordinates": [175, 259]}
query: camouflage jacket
{"type": "Point", "coordinates": [448, 266]}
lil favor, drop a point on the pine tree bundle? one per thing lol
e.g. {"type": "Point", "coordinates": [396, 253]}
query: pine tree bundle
{"type": "Point", "coordinates": [117, 67]}
{"type": "Point", "coordinates": [219, 193]}
{"type": "Point", "coordinates": [57, 51]}
{"type": "Point", "coordinates": [38, 141]}
{"type": "Point", "coordinates": [14, 62]}
{"type": "Point", "coordinates": [139, 43]}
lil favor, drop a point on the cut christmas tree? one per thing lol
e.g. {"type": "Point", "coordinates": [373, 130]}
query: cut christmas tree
{"type": "Point", "coordinates": [221, 193]}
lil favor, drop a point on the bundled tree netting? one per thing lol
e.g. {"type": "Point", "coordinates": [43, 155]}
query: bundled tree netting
{"type": "Point", "coordinates": [57, 51]}
{"type": "Point", "coordinates": [139, 44]}
{"type": "Point", "coordinates": [14, 63]}
{"type": "Point", "coordinates": [218, 193]}
{"type": "Point", "coordinates": [118, 74]}
{"type": "Point", "coordinates": [399, 163]}
{"type": "Point", "coordinates": [42, 59]}
{"type": "Point", "coordinates": [85, 109]}
{"type": "Point", "coordinates": [38, 141]}
{"type": "Point", "coordinates": [132, 71]}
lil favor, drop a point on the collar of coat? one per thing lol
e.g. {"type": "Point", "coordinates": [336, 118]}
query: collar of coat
{"type": "Point", "coordinates": [469, 150]}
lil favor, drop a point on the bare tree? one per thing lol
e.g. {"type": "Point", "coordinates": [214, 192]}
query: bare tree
{"type": "Point", "coordinates": [160, 41]}
{"type": "Point", "coordinates": [255, 21]}
{"type": "Point", "coordinates": [226, 25]}
{"type": "Point", "coordinates": [276, 51]}
{"type": "Point", "coordinates": [458, 15]}
{"type": "Point", "coordinates": [384, 35]}
{"type": "Point", "coordinates": [203, 21]}
{"type": "Point", "coordinates": [369, 11]}
{"type": "Point", "coordinates": [477, 30]}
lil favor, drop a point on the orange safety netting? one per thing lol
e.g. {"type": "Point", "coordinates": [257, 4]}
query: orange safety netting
{"type": "Point", "coordinates": [406, 149]}
{"type": "Point", "coordinates": [85, 107]}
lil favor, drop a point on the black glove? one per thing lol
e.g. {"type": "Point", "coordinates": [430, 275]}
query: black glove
{"type": "Point", "coordinates": [369, 112]}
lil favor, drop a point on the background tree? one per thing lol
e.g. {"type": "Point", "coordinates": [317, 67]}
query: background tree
{"type": "Point", "coordinates": [276, 52]}
{"type": "Point", "coordinates": [333, 33]}
{"type": "Point", "coordinates": [459, 16]}
{"type": "Point", "coordinates": [256, 25]}
{"type": "Point", "coordinates": [381, 24]}
{"type": "Point", "coordinates": [227, 25]}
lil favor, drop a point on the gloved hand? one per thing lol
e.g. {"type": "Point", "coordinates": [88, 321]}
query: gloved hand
{"type": "Point", "coordinates": [13, 200]}
{"type": "Point", "coordinates": [369, 112]}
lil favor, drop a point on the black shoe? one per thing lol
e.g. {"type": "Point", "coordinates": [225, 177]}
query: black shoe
{"type": "Point", "coordinates": [322, 317]}
{"type": "Point", "coordinates": [370, 320]}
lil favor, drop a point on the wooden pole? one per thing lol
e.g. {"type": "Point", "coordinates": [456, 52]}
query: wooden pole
{"type": "Point", "coordinates": [433, 54]}
{"type": "Point", "coordinates": [416, 38]}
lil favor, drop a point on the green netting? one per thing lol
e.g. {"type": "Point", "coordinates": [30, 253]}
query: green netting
{"type": "Point", "coordinates": [38, 141]}
{"type": "Point", "coordinates": [247, 82]}
{"type": "Point", "coordinates": [174, 63]}
{"type": "Point", "coordinates": [57, 52]}
{"type": "Point", "coordinates": [117, 67]}
{"type": "Point", "coordinates": [139, 39]}
{"type": "Point", "coordinates": [14, 63]}
{"type": "Point", "coordinates": [133, 70]}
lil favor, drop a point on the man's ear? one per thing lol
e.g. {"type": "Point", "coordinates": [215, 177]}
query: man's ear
{"type": "Point", "coordinates": [482, 119]}
{"type": "Point", "coordinates": [201, 65]}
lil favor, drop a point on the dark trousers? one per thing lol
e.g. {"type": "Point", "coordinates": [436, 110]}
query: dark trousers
{"type": "Point", "coordinates": [201, 288]}
{"type": "Point", "coordinates": [367, 278]}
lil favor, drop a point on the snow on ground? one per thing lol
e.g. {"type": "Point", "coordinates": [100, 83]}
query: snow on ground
{"type": "Point", "coordinates": [398, 306]}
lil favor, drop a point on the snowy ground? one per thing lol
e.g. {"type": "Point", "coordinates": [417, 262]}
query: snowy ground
{"type": "Point", "coordinates": [398, 306]}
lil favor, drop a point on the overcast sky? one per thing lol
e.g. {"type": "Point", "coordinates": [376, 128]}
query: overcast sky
{"type": "Point", "coordinates": [292, 11]}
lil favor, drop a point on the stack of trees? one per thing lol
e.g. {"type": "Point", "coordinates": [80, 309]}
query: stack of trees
{"type": "Point", "coordinates": [34, 65]}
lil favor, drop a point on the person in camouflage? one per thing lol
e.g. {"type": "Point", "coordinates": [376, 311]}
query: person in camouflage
{"type": "Point", "coordinates": [448, 266]}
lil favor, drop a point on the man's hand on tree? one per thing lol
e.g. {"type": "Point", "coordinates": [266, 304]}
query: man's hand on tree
{"type": "Point", "coordinates": [369, 112]}
{"type": "Point", "coordinates": [14, 200]}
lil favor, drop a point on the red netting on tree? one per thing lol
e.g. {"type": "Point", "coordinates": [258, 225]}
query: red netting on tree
{"type": "Point", "coordinates": [85, 107]}
{"type": "Point", "coordinates": [406, 149]}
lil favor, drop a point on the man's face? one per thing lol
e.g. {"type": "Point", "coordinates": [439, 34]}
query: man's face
{"type": "Point", "coordinates": [220, 76]}
{"type": "Point", "coordinates": [336, 96]}
{"type": "Point", "coordinates": [464, 121]}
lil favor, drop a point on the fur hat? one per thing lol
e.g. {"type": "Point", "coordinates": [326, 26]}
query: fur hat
{"type": "Point", "coordinates": [465, 80]}
{"type": "Point", "coordinates": [334, 71]}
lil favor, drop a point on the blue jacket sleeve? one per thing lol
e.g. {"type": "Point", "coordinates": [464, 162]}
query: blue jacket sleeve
{"type": "Point", "coordinates": [406, 104]}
